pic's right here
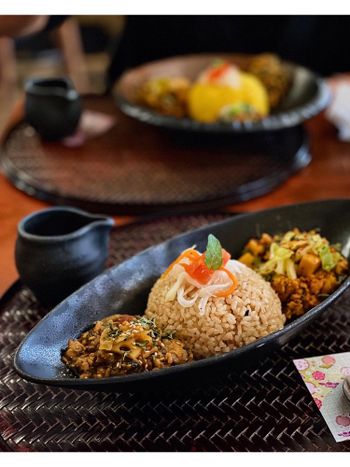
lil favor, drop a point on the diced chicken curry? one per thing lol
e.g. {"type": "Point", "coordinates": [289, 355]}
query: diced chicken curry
{"type": "Point", "coordinates": [303, 267]}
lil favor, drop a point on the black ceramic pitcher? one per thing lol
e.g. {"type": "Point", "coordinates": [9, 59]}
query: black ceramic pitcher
{"type": "Point", "coordinates": [60, 249]}
{"type": "Point", "coordinates": [52, 107]}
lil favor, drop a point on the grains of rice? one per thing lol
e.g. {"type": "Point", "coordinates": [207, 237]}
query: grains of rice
{"type": "Point", "coordinates": [251, 312]}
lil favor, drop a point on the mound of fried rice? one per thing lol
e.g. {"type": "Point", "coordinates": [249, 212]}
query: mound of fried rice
{"type": "Point", "coordinates": [251, 312]}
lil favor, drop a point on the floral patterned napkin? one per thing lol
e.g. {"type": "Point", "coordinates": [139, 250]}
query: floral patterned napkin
{"type": "Point", "coordinates": [323, 377]}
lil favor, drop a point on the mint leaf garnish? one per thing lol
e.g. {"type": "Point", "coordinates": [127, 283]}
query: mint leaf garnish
{"type": "Point", "coordinates": [213, 253]}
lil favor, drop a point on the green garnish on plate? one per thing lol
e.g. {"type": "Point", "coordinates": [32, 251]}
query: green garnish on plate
{"type": "Point", "coordinates": [213, 253]}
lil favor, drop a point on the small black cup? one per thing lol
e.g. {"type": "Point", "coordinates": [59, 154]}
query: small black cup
{"type": "Point", "coordinates": [60, 249]}
{"type": "Point", "coordinates": [52, 107]}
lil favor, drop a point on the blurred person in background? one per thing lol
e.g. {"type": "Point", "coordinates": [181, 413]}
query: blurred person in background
{"type": "Point", "coordinates": [21, 25]}
{"type": "Point", "coordinates": [316, 42]}
{"type": "Point", "coordinates": [313, 41]}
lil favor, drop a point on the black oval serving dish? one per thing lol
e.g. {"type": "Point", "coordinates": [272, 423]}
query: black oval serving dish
{"type": "Point", "coordinates": [124, 289]}
{"type": "Point", "coordinates": [308, 95]}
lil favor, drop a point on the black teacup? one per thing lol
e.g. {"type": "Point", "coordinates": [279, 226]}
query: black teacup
{"type": "Point", "coordinates": [52, 107]}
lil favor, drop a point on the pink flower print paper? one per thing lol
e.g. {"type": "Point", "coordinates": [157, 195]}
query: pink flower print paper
{"type": "Point", "coordinates": [323, 376]}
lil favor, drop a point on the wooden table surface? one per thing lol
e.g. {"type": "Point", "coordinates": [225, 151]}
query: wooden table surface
{"type": "Point", "coordinates": [327, 176]}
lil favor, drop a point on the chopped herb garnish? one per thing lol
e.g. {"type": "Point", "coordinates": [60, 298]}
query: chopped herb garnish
{"type": "Point", "coordinates": [113, 332]}
{"type": "Point", "coordinates": [149, 323]}
{"type": "Point", "coordinates": [168, 334]}
{"type": "Point", "coordinates": [154, 334]}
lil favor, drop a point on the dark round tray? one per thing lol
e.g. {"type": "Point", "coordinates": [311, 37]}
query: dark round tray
{"type": "Point", "coordinates": [265, 408]}
{"type": "Point", "coordinates": [138, 169]}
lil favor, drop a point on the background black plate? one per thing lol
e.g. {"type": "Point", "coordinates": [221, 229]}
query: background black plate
{"type": "Point", "coordinates": [307, 96]}
{"type": "Point", "coordinates": [125, 289]}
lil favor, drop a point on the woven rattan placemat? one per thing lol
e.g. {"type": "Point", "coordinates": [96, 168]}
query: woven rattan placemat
{"type": "Point", "coordinates": [135, 168]}
{"type": "Point", "coordinates": [265, 408]}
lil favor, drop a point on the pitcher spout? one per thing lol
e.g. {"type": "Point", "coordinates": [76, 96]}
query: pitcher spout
{"type": "Point", "coordinates": [103, 221]}
{"type": "Point", "coordinates": [60, 224]}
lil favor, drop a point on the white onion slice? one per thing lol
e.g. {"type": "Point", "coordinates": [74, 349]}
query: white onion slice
{"type": "Point", "coordinates": [184, 284]}
{"type": "Point", "coordinates": [189, 289]}
{"type": "Point", "coordinates": [234, 266]}
{"type": "Point", "coordinates": [193, 282]}
{"type": "Point", "coordinates": [212, 289]}
{"type": "Point", "coordinates": [186, 302]}
{"type": "Point", "coordinates": [171, 294]}
{"type": "Point", "coordinates": [176, 270]}
{"type": "Point", "coordinates": [219, 277]}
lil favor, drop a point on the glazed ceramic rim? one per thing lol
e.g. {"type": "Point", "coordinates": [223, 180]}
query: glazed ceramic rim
{"type": "Point", "coordinates": [33, 83]}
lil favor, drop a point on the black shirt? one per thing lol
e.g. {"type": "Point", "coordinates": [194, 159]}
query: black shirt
{"type": "Point", "coordinates": [318, 42]}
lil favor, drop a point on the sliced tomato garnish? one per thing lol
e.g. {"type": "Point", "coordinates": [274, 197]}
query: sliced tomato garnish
{"type": "Point", "coordinates": [197, 268]}
{"type": "Point", "coordinates": [199, 271]}
{"type": "Point", "coordinates": [225, 257]}
{"type": "Point", "coordinates": [191, 254]}
{"type": "Point", "coordinates": [218, 71]}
